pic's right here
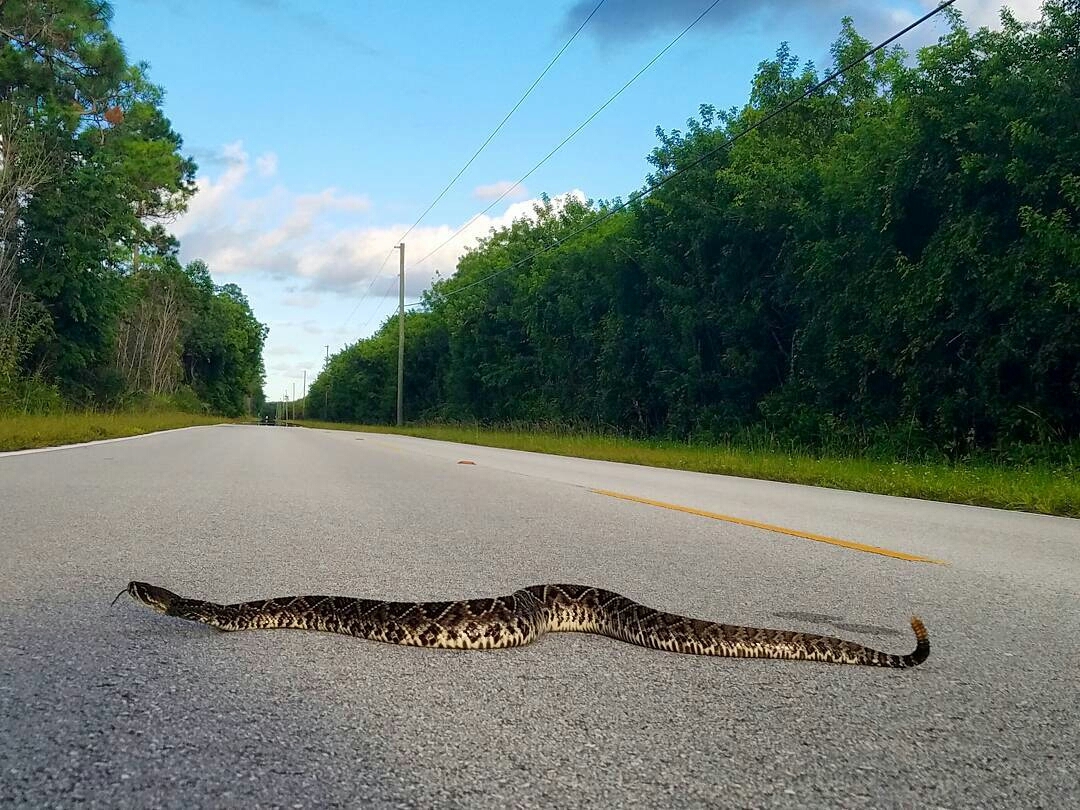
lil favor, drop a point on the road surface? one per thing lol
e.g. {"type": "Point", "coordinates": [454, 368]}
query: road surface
{"type": "Point", "coordinates": [122, 707]}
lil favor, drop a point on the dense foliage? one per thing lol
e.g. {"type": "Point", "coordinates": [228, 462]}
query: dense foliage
{"type": "Point", "coordinates": [894, 262]}
{"type": "Point", "coordinates": [94, 306]}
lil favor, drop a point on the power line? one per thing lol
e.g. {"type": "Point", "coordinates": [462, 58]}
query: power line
{"type": "Point", "coordinates": [378, 307]}
{"type": "Point", "coordinates": [476, 154]}
{"type": "Point", "coordinates": [367, 292]}
{"type": "Point", "coordinates": [569, 137]}
{"type": "Point", "coordinates": [506, 118]}
{"type": "Point", "coordinates": [704, 156]}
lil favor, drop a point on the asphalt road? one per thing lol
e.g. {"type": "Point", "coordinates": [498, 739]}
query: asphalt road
{"type": "Point", "coordinates": [121, 707]}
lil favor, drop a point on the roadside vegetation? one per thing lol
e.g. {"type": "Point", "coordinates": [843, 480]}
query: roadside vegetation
{"type": "Point", "coordinates": [877, 289]}
{"type": "Point", "coordinates": [25, 431]}
{"type": "Point", "coordinates": [97, 313]}
{"type": "Point", "coordinates": [1037, 486]}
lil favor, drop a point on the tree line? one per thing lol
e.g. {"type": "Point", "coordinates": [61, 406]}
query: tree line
{"type": "Point", "coordinates": [95, 307]}
{"type": "Point", "coordinates": [891, 264]}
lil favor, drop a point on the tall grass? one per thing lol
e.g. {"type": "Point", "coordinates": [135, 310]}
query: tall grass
{"type": "Point", "coordinates": [25, 431]}
{"type": "Point", "coordinates": [1044, 486]}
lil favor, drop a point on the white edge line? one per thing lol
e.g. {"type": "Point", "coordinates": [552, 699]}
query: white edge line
{"type": "Point", "coordinates": [31, 450]}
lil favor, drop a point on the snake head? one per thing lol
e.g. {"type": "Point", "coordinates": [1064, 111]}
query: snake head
{"type": "Point", "coordinates": [150, 595]}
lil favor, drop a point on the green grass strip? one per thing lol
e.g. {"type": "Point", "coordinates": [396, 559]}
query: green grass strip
{"type": "Point", "coordinates": [1032, 488]}
{"type": "Point", "coordinates": [23, 432]}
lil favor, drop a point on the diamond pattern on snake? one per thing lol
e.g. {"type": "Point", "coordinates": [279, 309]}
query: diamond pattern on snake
{"type": "Point", "coordinates": [521, 618]}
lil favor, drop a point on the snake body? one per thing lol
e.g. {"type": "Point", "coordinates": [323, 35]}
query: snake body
{"type": "Point", "coordinates": [520, 618]}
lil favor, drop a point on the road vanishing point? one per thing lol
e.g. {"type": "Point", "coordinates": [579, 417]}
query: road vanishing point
{"type": "Point", "coordinates": [118, 706]}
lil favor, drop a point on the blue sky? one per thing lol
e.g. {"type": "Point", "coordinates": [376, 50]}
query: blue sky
{"type": "Point", "coordinates": [323, 129]}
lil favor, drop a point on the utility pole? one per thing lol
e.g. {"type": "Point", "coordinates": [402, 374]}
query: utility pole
{"type": "Point", "coordinates": [401, 335]}
{"type": "Point", "coordinates": [326, 390]}
{"type": "Point", "coordinates": [303, 408]}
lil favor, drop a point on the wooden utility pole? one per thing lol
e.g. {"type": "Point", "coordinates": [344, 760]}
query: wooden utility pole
{"type": "Point", "coordinates": [401, 336]}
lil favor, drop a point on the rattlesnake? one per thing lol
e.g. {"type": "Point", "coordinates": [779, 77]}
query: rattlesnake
{"type": "Point", "coordinates": [520, 618]}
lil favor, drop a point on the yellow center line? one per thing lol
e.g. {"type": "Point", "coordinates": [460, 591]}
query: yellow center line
{"type": "Point", "coordinates": [820, 538]}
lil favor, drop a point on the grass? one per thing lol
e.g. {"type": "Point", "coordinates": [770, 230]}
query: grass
{"type": "Point", "coordinates": [1036, 487]}
{"type": "Point", "coordinates": [21, 432]}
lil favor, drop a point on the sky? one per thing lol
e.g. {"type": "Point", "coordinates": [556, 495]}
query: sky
{"type": "Point", "coordinates": [323, 130]}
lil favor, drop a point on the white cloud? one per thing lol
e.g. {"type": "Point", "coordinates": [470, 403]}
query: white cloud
{"type": "Point", "coordinates": [277, 232]}
{"type": "Point", "coordinates": [312, 239]}
{"type": "Point", "coordinates": [879, 20]}
{"type": "Point", "coordinates": [978, 13]}
{"type": "Point", "coordinates": [494, 191]}
{"type": "Point", "coordinates": [643, 18]}
{"type": "Point", "coordinates": [267, 164]}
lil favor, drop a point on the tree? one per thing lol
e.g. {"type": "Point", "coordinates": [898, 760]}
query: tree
{"type": "Point", "coordinates": [222, 344]}
{"type": "Point", "coordinates": [891, 263]}
{"type": "Point", "coordinates": [91, 294]}
{"type": "Point", "coordinates": [54, 58]}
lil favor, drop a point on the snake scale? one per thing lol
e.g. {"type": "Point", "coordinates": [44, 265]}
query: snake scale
{"type": "Point", "coordinates": [521, 618]}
